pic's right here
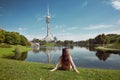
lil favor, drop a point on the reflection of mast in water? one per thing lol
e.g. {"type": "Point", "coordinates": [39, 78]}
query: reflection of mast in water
{"type": "Point", "coordinates": [48, 52]}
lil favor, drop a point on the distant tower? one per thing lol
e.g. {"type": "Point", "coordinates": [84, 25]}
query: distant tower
{"type": "Point", "coordinates": [49, 37]}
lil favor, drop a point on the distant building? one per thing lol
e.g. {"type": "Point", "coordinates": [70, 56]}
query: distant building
{"type": "Point", "coordinates": [49, 37]}
{"type": "Point", "coordinates": [36, 46]}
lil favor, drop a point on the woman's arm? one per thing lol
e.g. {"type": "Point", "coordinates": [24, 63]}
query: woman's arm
{"type": "Point", "coordinates": [57, 65]}
{"type": "Point", "coordinates": [73, 65]}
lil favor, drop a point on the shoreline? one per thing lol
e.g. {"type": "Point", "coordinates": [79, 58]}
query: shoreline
{"type": "Point", "coordinates": [106, 49]}
{"type": "Point", "coordinates": [4, 52]}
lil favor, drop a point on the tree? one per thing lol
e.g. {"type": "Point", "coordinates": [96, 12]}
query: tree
{"type": "Point", "coordinates": [55, 39]}
{"type": "Point", "coordinates": [23, 40]}
{"type": "Point", "coordinates": [59, 42]}
{"type": "Point", "coordinates": [36, 40]}
{"type": "Point", "coordinates": [12, 38]}
{"type": "Point", "coordinates": [8, 38]}
{"type": "Point", "coordinates": [2, 36]}
{"type": "Point", "coordinates": [101, 39]}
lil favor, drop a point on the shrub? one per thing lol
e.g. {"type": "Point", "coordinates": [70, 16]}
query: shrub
{"type": "Point", "coordinates": [17, 50]}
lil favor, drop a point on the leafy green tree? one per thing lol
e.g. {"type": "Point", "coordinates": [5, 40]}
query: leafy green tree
{"type": "Point", "coordinates": [23, 40]}
{"type": "Point", "coordinates": [101, 39]}
{"type": "Point", "coordinates": [112, 38]}
{"type": "Point", "coordinates": [59, 43]}
{"type": "Point", "coordinates": [12, 38]}
{"type": "Point", "coordinates": [35, 40]}
{"type": "Point", "coordinates": [8, 38]}
{"type": "Point", "coordinates": [2, 36]}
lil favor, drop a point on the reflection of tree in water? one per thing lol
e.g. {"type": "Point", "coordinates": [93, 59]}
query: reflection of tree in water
{"type": "Point", "coordinates": [102, 55]}
{"type": "Point", "coordinates": [69, 46]}
{"type": "Point", "coordinates": [19, 56]}
{"type": "Point", "coordinates": [91, 49]}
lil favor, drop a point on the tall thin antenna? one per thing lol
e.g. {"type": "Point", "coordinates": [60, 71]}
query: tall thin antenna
{"type": "Point", "coordinates": [48, 13]}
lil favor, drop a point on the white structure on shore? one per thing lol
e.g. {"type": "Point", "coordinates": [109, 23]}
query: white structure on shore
{"type": "Point", "coordinates": [49, 37]}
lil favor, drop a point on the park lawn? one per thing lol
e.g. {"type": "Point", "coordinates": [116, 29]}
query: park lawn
{"type": "Point", "coordinates": [49, 44]}
{"type": "Point", "coordinates": [19, 70]}
{"type": "Point", "coordinates": [114, 46]}
{"type": "Point", "coordinates": [109, 47]}
{"type": "Point", "coordinates": [4, 52]}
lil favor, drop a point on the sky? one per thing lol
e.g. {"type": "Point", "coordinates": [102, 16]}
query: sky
{"type": "Point", "coordinates": [70, 19]}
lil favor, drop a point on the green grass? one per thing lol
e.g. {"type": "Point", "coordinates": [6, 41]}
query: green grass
{"type": "Point", "coordinates": [19, 70]}
{"type": "Point", "coordinates": [109, 47]}
{"type": "Point", "coordinates": [49, 44]}
{"type": "Point", "coordinates": [115, 46]}
{"type": "Point", "coordinates": [10, 51]}
{"type": "Point", "coordinates": [106, 49]}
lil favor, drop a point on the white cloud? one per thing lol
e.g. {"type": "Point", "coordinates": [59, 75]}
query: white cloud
{"type": "Point", "coordinates": [60, 28]}
{"type": "Point", "coordinates": [118, 22]}
{"type": "Point", "coordinates": [73, 28]}
{"type": "Point", "coordinates": [96, 27]}
{"type": "Point", "coordinates": [74, 37]}
{"type": "Point", "coordinates": [116, 4]}
{"type": "Point", "coordinates": [39, 19]}
{"type": "Point", "coordinates": [21, 29]}
{"type": "Point", "coordinates": [31, 37]}
{"type": "Point", "coordinates": [56, 27]}
{"type": "Point", "coordinates": [113, 32]}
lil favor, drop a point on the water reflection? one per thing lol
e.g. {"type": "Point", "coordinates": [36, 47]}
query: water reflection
{"type": "Point", "coordinates": [82, 57]}
{"type": "Point", "coordinates": [104, 55]}
{"type": "Point", "coordinates": [19, 56]}
{"type": "Point", "coordinates": [48, 51]}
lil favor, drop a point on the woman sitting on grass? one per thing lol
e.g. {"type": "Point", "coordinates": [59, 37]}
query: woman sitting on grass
{"type": "Point", "coordinates": [65, 61]}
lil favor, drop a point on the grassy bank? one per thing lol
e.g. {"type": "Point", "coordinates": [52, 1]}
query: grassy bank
{"type": "Point", "coordinates": [10, 51]}
{"type": "Point", "coordinates": [114, 46]}
{"type": "Point", "coordinates": [106, 49]}
{"type": "Point", "coordinates": [49, 44]}
{"type": "Point", "coordinates": [18, 70]}
{"type": "Point", "coordinates": [109, 47]}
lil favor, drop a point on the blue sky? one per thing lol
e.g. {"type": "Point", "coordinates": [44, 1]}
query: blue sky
{"type": "Point", "coordinates": [70, 19]}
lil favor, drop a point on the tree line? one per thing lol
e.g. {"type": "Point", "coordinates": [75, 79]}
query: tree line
{"type": "Point", "coordinates": [101, 39]}
{"type": "Point", "coordinates": [57, 43]}
{"type": "Point", "coordinates": [12, 38]}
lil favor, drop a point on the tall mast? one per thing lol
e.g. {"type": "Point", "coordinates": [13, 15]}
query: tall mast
{"type": "Point", "coordinates": [48, 13]}
{"type": "Point", "coordinates": [49, 37]}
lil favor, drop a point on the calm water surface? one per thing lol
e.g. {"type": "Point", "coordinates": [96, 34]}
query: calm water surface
{"type": "Point", "coordinates": [82, 57]}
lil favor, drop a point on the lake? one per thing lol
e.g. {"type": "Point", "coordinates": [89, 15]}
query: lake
{"type": "Point", "coordinates": [82, 57]}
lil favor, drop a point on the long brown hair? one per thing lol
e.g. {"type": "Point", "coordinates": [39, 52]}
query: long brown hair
{"type": "Point", "coordinates": [65, 59]}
